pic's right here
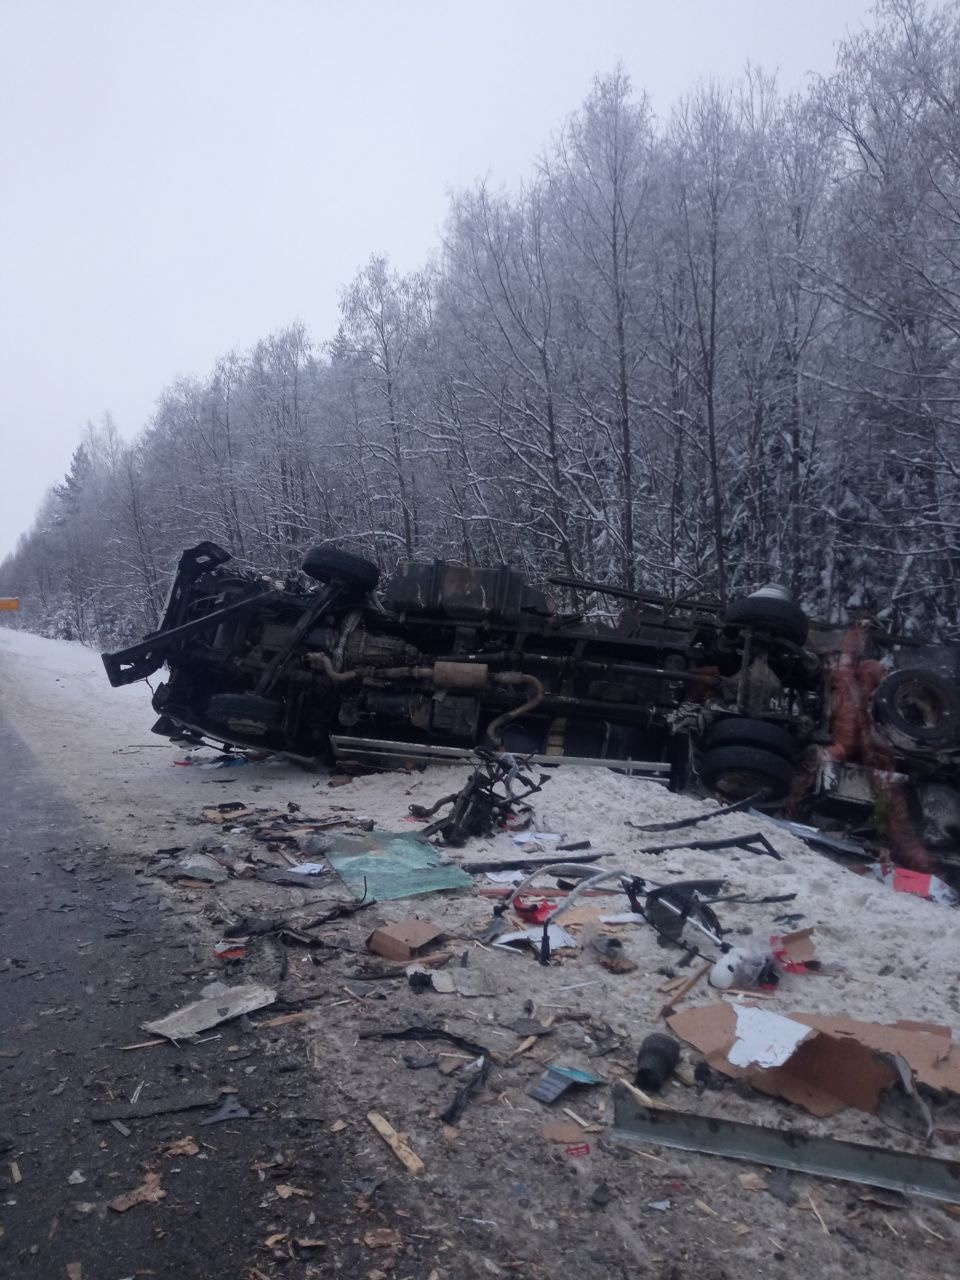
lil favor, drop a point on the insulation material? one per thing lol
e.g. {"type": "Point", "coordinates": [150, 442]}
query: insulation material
{"type": "Point", "coordinates": [764, 1039]}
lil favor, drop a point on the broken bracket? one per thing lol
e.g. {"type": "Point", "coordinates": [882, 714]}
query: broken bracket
{"type": "Point", "coordinates": [229, 1109]}
{"type": "Point", "coordinates": [748, 842]}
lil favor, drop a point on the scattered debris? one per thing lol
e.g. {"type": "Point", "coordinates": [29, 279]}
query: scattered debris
{"type": "Point", "coordinates": [656, 1060]}
{"type": "Point", "coordinates": [292, 877]}
{"type": "Point", "coordinates": [533, 912]}
{"type": "Point", "coordinates": [556, 1080]}
{"type": "Point", "coordinates": [478, 809]}
{"type": "Point", "coordinates": [479, 1057]}
{"type": "Point", "coordinates": [181, 1147]}
{"type": "Point", "coordinates": [903, 880]}
{"type": "Point", "coordinates": [149, 1192]}
{"type": "Point", "coordinates": [786, 1149]}
{"type": "Point", "coordinates": [756, 842]}
{"type": "Point", "coordinates": [386, 865]}
{"type": "Point", "coordinates": [200, 866]}
{"type": "Point", "coordinates": [230, 949]}
{"type": "Point", "coordinates": [473, 983]}
{"type": "Point", "coordinates": [418, 1064]}
{"type": "Point", "coordinates": [491, 866]}
{"type": "Point", "coordinates": [821, 1063]}
{"type": "Point", "coordinates": [421, 978]}
{"type": "Point", "coordinates": [612, 955]}
{"type": "Point", "coordinates": [229, 811]}
{"type": "Point", "coordinates": [183, 1100]}
{"type": "Point", "coordinates": [530, 1027]}
{"type": "Point", "coordinates": [286, 1019]}
{"type": "Point", "coordinates": [681, 987]}
{"type": "Point", "coordinates": [744, 969]}
{"type": "Point", "coordinates": [795, 952]}
{"type": "Point", "coordinates": [557, 938]}
{"type": "Point", "coordinates": [577, 1150]}
{"type": "Point", "coordinates": [229, 1109]}
{"type": "Point", "coordinates": [201, 1015]}
{"type": "Point", "coordinates": [752, 1182]}
{"type": "Point", "coordinates": [383, 1238]}
{"type": "Point", "coordinates": [601, 1195]}
{"type": "Point", "coordinates": [678, 824]}
{"type": "Point", "coordinates": [404, 939]}
{"type": "Point", "coordinates": [397, 1143]}
{"type": "Point", "coordinates": [561, 1132]}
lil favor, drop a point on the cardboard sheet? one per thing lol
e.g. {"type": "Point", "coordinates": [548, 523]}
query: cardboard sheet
{"type": "Point", "coordinates": [825, 1072]}
{"type": "Point", "coordinates": [926, 1046]}
{"type": "Point", "coordinates": [798, 948]}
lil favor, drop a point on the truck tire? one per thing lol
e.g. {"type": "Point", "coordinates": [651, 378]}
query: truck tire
{"type": "Point", "coordinates": [330, 563]}
{"type": "Point", "coordinates": [743, 731]}
{"type": "Point", "coordinates": [738, 772]}
{"type": "Point", "coordinates": [245, 713]}
{"type": "Point", "coordinates": [770, 614]}
{"type": "Point", "coordinates": [921, 705]}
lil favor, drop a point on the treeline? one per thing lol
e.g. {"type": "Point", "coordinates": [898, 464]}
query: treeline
{"type": "Point", "coordinates": [689, 356]}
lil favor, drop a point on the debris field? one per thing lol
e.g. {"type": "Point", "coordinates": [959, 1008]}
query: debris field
{"type": "Point", "coordinates": [624, 1028]}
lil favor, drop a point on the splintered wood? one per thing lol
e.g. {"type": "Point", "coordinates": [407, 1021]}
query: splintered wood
{"type": "Point", "coordinates": [398, 1145]}
{"type": "Point", "coordinates": [644, 1099]}
{"type": "Point", "coordinates": [677, 988]}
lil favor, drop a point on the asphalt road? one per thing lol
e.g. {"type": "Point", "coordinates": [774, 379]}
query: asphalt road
{"type": "Point", "coordinates": [88, 952]}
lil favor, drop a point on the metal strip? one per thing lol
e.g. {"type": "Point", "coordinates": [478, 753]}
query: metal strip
{"type": "Point", "coordinates": [454, 755]}
{"type": "Point", "coordinates": [804, 1153]}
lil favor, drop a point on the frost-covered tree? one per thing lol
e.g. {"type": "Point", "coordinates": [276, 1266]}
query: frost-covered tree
{"type": "Point", "coordinates": [689, 355]}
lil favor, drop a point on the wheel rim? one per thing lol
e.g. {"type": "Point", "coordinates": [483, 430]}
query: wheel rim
{"type": "Point", "coordinates": [740, 784]}
{"type": "Point", "coordinates": [251, 727]}
{"type": "Point", "coordinates": [920, 706]}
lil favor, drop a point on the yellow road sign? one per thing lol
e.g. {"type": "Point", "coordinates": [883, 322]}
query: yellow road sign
{"type": "Point", "coordinates": [9, 604]}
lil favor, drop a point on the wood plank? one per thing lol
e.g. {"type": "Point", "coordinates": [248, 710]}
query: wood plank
{"type": "Point", "coordinates": [399, 1146]}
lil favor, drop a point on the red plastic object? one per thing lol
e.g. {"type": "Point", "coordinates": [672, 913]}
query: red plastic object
{"type": "Point", "coordinates": [533, 912]}
{"type": "Point", "coordinates": [230, 950]}
{"type": "Point", "coordinates": [578, 1149]}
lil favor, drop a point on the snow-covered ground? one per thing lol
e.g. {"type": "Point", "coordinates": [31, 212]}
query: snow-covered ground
{"type": "Point", "coordinates": [885, 955]}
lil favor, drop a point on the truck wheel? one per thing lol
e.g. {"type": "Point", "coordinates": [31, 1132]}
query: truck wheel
{"type": "Point", "coordinates": [771, 614]}
{"type": "Point", "coordinates": [939, 813]}
{"type": "Point", "coordinates": [330, 563]}
{"type": "Point", "coordinates": [738, 772]}
{"type": "Point", "coordinates": [920, 704]}
{"type": "Point", "coordinates": [245, 713]}
{"type": "Point", "coordinates": [742, 731]}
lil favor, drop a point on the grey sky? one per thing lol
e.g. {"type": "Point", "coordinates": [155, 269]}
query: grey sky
{"type": "Point", "coordinates": [181, 177]}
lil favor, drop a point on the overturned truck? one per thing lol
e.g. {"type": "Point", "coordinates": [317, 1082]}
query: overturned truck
{"type": "Point", "coordinates": [751, 700]}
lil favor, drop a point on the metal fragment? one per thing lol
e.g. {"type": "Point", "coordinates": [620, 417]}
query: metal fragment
{"type": "Point", "coordinates": [787, 1149]}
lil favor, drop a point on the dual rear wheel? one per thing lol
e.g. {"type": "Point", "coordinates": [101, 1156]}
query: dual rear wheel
{"type": "Point", "coordinates": [744, 757]}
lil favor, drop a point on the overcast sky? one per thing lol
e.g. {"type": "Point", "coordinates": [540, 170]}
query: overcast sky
{"type": "Point", "coordinates": [182, 177]}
